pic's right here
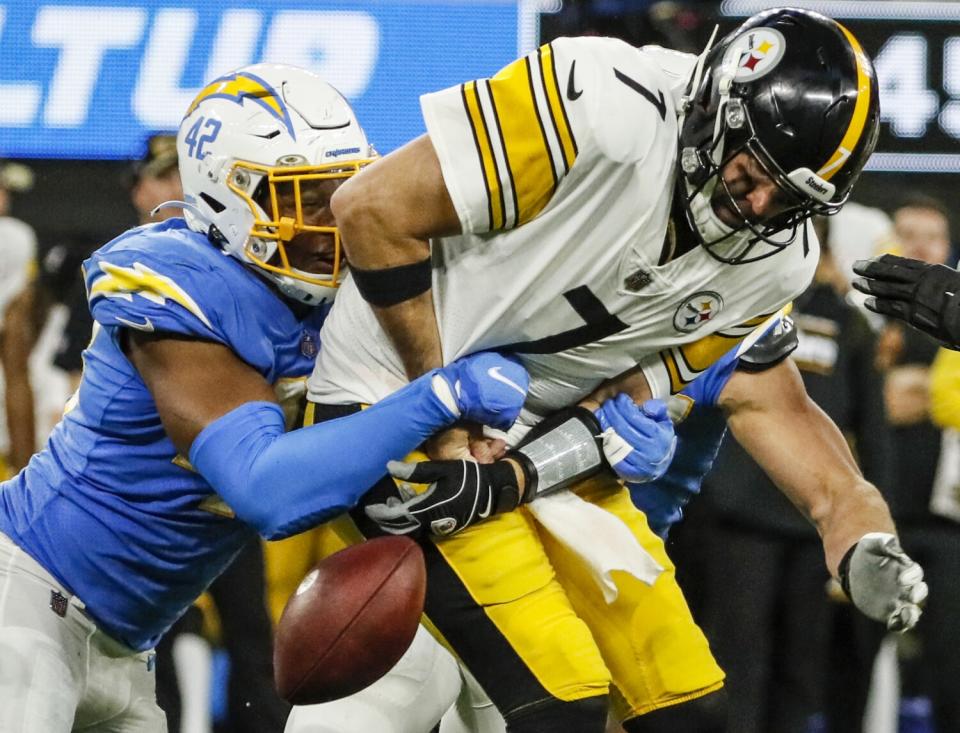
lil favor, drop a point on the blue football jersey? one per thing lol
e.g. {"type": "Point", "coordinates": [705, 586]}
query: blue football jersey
{"type": "Point", "coordinates": [109, 507]}
{"type": "Point", "coordinates": [701, 425]}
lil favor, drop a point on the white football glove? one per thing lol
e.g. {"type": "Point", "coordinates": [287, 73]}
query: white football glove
{"type": "Point", "coordinates": [883, 582]}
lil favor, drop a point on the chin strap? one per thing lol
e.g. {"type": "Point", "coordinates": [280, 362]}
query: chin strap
{"type": "Point", "coordinates": [687, 98]}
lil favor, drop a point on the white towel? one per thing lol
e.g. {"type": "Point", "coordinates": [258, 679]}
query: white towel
{"type": "Point", "coordinates": [598, 537]}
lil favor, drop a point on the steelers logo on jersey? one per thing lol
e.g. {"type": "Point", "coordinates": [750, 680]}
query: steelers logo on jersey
{"type": "Point", "coordinates": [698, 309]}
{"type": "Point", "coordinates": [756, 53]}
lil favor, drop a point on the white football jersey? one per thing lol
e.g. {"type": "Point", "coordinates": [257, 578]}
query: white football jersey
{"type": "Point", "coordinates": [562, 170]}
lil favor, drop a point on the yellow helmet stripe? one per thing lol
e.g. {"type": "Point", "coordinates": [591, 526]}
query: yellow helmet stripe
{"type": "Point", "coordinates": [859, 118]}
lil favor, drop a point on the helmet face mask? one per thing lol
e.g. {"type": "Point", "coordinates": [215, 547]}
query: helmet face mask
{"type": "Point", "coordinates": [261, 151]}
{"type": "Point", "coordinates": [794, 91]}
{"type": "Point", "coordinates": [283, 205]}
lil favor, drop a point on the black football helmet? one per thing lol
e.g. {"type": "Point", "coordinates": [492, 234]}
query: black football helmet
{"type": "Point", "coordinates": [796, 91]}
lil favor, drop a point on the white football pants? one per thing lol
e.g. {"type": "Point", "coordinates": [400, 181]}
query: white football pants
{"type": "Point", "coordinates": [59, 673]}
{"type": "Point", "coordinates": [425, 685]}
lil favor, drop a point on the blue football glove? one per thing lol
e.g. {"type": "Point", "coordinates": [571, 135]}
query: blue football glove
{"type": "Point", "coordinates": [486, 388]}
{"type": "Point", "coordinates": [638, 441]}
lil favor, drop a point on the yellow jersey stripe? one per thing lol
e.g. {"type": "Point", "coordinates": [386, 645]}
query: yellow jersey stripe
{"type": "Point", "coordinates": [481, 138]}
{"type": "Point", "coordinates": [558, 114]}
{"type": "Point", "coordinates": [532, 177]}
{"type": "Point", "coordinates": [859, 118]}
{"type": "Point", "coordinates": [536, 109]}
{"type": "Point", "coordinates": [701, 354]}
{"type": "Point", "coordinates": [677, 382]}
{"type": "Point", "coordinates": [510, 218]}
{"type": "Point", "coordinates": [684, 363]}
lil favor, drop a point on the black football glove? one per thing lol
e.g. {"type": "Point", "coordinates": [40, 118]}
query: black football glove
{"type": "Point", "coordinates": [557, 453]}
{"type": "Point", "coordinates": [460, 493]}
{"type": "Point", "coordinates": [925, 296]}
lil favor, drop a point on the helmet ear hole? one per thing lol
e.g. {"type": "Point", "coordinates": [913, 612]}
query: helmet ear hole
{"type": "Point", "coordinates": [212, 202]}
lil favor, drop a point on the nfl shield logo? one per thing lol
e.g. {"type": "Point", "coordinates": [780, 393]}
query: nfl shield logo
{"type": "Point", "coordinates": [58, 603]}
{"type": "Point", "coordinates": [308, 345]}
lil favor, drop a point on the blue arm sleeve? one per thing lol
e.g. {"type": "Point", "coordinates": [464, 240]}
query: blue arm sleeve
{"type": "Point", "coordinates": [283, 483]}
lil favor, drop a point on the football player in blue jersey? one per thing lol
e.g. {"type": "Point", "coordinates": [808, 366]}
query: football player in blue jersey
{"type": "Point", "coordinates": [173, 453]}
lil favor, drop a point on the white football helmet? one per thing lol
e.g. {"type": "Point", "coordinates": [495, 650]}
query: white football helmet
{"type": "Point", "coordinates": [256, 132]}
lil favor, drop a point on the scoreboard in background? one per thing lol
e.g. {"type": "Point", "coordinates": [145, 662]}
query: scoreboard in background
{"type": "Point", "coordinates": [92, 78]}
{"type": "Point", "coordinates": [915, 47]}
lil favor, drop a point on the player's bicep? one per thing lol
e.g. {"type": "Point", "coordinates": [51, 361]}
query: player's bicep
{"type": "Point", "coordinates": [402, 197]}
{"type": "Point", "coordinates": [193, 382]}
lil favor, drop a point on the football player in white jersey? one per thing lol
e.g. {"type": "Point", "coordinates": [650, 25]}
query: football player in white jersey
{"type": "Point", "coordinates": [550, 212]}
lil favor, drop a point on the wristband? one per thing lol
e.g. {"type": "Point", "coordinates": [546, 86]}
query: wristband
{"type": "Point", "coordinates": [843, 571]}
{"type": "Point", "coordinates": [391, 285]}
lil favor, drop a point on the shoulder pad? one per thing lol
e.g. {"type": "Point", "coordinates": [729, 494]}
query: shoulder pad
{"type": "Point", "coordinates": [770, 349]}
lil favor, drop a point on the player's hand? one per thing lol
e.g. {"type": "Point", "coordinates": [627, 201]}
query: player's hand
{"type": "Point", "coordinates": [460, 493]}
{"type": "Point", "coordinates": [486, 388]}
{"type": "Point", "coordinates": [638, 441]}
{"type": "Point", "coordinates": [883, 582]}
{"type": "Point", "coordinates": [925, 296]}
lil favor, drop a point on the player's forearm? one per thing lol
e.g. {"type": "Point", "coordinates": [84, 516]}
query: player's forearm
{"type": "Point", "coordinates": [632, 383]}
{"type": "Point", "coordinates": [851, 509]}
{"type": "Point", "coordinates": [284, 483]}
{"type": "Point", "coordinates": [413, 331]}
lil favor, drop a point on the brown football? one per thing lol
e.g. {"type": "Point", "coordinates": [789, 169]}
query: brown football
{"type": "Point", "coordinates": [350, 621]}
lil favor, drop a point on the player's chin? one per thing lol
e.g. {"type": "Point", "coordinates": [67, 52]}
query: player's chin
{"type": "Point", "coordinates": [319, 265]}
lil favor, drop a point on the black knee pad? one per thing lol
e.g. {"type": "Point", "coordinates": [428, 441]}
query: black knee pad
{"type": "Point", "coordinates": [707, 714]}
{"type": "Point", "coordinates": [556, 716]}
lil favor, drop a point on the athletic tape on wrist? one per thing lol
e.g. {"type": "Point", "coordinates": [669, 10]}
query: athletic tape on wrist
{"type": "Point", "coordinates": [556, 458]}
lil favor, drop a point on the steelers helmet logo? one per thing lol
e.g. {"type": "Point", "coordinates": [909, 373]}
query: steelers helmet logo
{"type": "Point", "coordinates": [756, 53]}
{"type": "Point", "coordinates": [698, 309]}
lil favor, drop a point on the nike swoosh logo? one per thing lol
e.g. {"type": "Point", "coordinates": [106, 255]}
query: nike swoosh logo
{"type": "Point", "coordinates": [147, 324]}
{"type": "Point", "coordinates": [660, 103]}
{"type": "Point", "coordinates": [494, 373]}
{"type": "Point", "coordinates": [572, 94]}
{"type": "Point", "coordinates": [486, 512]}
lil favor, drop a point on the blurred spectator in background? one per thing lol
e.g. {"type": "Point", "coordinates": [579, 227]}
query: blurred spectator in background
{"type": "Point", "coordinates": [764, 601]}
{"type": "Point", "coordinates": [155, 180]}
{"type": "Point", "coordinates": [855, 233]}
{"type": "Point", "coordinates": [17, 320]}
{"type": "Point", "coordinates": [905, 356]}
